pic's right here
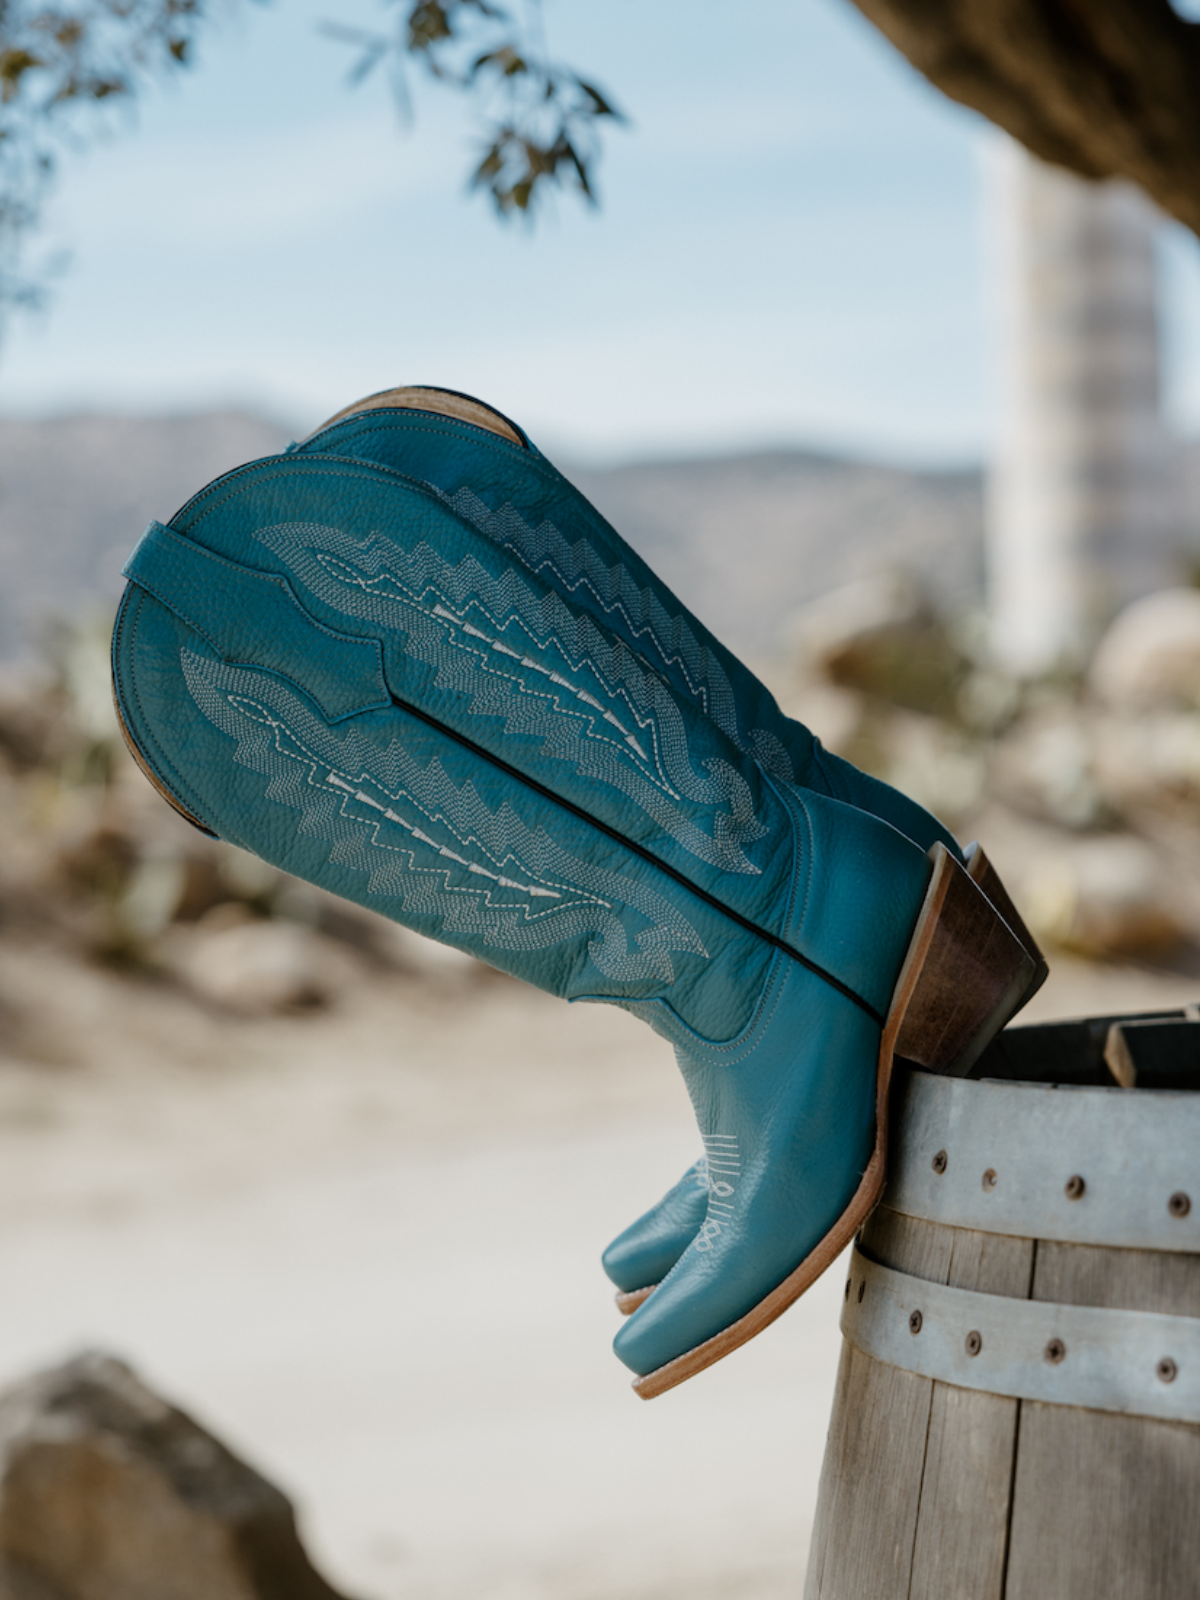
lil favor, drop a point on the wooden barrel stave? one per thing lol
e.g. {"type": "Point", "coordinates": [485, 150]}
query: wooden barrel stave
{"type": "Point", "coordinates": [929, 1463]}
{"type": "Point", "coordinates": [1106, 1504]}
{"type": "Point", "coordinates": [932, 1490]}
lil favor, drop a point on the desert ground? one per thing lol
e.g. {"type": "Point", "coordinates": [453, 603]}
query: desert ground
{"type": "Point", "coordinates": [361, 1243]}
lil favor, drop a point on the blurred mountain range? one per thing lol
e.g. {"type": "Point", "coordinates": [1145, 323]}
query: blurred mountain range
{"type": "Point", "coordinates": [743, 539]}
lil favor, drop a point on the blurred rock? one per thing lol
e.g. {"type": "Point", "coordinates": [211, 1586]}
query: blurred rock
{"type": "Point", "coordinates": [930, 761]}
{"type": "Point", "coordinates": [109, 1493]}
{"type": "Point", "coordinates": [84, 655]}
{"type": "Point", "coordinates": [383, 942]}
{"type": "Point", "coordinates": [253, 966]}
{"type": "Point", "coordinates": [151, 895]}
{"type": "Point", "coordinates": [244, 876]}
{"type": "Point", "coordinates": [989, 701]}
{"type": "Point", "coordinates": [835, 715]}
{"type": "Point", "coordinates": [33, 718]}
{"type": "Point", "coordinates": [880, 637]}
{"type": "Point", "coordinates": [1150, 656]}
{"type": "Point", "coordinates": [1102, 897]}
{"type": "Point", "coordinates": [1149, 763]}
{"type": "Point", "coordinates": [1044, 766]}
{"type": "Point", "coordinates": [424, 958]}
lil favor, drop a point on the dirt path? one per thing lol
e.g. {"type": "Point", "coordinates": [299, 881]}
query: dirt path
{"type": "Point", "coordinates": [362, 1244]}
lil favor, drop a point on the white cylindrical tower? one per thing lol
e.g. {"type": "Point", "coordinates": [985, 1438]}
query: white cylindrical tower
{"type": "Point", "coordinates": [1082, 510]}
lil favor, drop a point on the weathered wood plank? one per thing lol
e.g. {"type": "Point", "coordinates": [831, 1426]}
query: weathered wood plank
{"type": "Point", "coordinates": [870, 1483]}
{"type": "Point", "coordinates": [914, 1491]}
{"type": "Point", "coordinates": [871, 1477]}
{"type": "Point", "coordinates": [991, 1263]}
{"type": "Point", "coordinates": [922, 1249]}
{"type": "Point", "coordinates": [1124, 1280]}
{"type": "Point", "coordinates": [1105, 1504]}
{"type": "Point", "coordinates": [962, 1523]}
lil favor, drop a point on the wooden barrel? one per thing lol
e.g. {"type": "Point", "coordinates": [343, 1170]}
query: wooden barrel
{"type": "Point", "coordinates": [1017, 1412]}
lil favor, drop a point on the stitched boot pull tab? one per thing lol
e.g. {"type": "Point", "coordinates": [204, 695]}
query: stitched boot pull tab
{"type": "Point", "coordinates": [254, 619]}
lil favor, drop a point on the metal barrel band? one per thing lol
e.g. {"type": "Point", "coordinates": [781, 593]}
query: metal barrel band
{"type": "Point", "coordinates": [1113, 1166]}
{"type": "Point", "coordinates": [1136, 1362]}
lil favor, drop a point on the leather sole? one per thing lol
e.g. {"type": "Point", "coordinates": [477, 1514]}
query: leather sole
{"type": "Point", "coordinates": [628, 1300]}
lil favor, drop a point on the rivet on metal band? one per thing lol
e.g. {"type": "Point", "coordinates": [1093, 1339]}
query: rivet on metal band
{"type": "Point", "coordinates": [1138, 1362]}
{"type": "Point", "coordinates": [1081, 1165]}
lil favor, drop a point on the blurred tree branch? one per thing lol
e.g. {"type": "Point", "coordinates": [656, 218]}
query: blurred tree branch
{"type": "Point", "coordinates": [63, 67]}
{"type": "Point", "coordinates": [542, 118]}
{"type": "Point", "coordinates": [59, 65]}
{"type": "Point", "coordinates": [1107, 88]}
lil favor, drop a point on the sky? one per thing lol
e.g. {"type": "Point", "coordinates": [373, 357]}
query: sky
{"type": "Point", "coordinates": [792, 245]}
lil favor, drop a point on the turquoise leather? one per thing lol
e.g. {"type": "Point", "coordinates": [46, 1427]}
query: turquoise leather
{"type": "Point", "coordinates": [646, 1251]}
{"type": "Point", "coordinates": [789, 1105]}
{"type": "Point", "coordinates": [519, 500]}
{"type": "Point", "coordinates": [533, 792]}
{"type": "Point", "coordinates": [254, 617]}
{"type": "Point", "coordinates": [514, 495]}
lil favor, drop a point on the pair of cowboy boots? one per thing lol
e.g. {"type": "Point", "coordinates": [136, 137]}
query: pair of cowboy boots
{"type": "Point", "coordinates": [407, 661]}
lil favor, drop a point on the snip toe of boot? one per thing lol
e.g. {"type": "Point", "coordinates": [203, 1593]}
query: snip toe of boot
{"type": "Point", "coordinates": [806, 1113]}
{"type": "Point", "coordinates": [641, 1256]}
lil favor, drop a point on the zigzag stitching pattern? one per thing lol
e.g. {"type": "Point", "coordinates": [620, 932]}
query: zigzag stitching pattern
{"type": "Point", "coordinates": [580, 565]}
{"type": "Point", "coordinates": [357, 584]}
{"type": "Point", "coordinates": [322, 775]}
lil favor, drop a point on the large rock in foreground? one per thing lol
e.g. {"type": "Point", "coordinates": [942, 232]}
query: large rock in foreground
{"type": "Point", "coordinates": [109, 1493]}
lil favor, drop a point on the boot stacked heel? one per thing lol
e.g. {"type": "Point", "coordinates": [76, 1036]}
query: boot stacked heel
{"type": "Point", "coordinates": [982, 872]}
{"type": "Point", "coordinates": [965, 974]}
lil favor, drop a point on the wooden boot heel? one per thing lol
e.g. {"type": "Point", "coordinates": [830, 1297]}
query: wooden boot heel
{"type": "Point", "coordinates": [965, 974]}
{"type": "Point", "coordinates": [981, 871]}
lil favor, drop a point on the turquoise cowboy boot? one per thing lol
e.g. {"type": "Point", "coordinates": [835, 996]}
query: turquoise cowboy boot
{"type": "Point", "coordinates": [493, 474]}
{"type": "Point", "coordinates": [327, 665]}
{"type": "Point", "coordinates": [645, 1252]}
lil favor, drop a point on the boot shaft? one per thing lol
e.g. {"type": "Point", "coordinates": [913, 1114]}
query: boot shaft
{"type": "Point", "coordinates": [496, 478]}
{"type": "Point", "coordinates": [327, 664]}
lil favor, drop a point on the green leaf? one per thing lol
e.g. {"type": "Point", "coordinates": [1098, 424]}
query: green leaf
{"type": "Point", "coordinates": [14, 64]}
{"type": "Point", "coordinates": [600, 106]}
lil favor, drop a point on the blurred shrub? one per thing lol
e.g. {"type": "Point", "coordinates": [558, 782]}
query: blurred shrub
{"type": "Point", "coordinates": [91, 855]}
